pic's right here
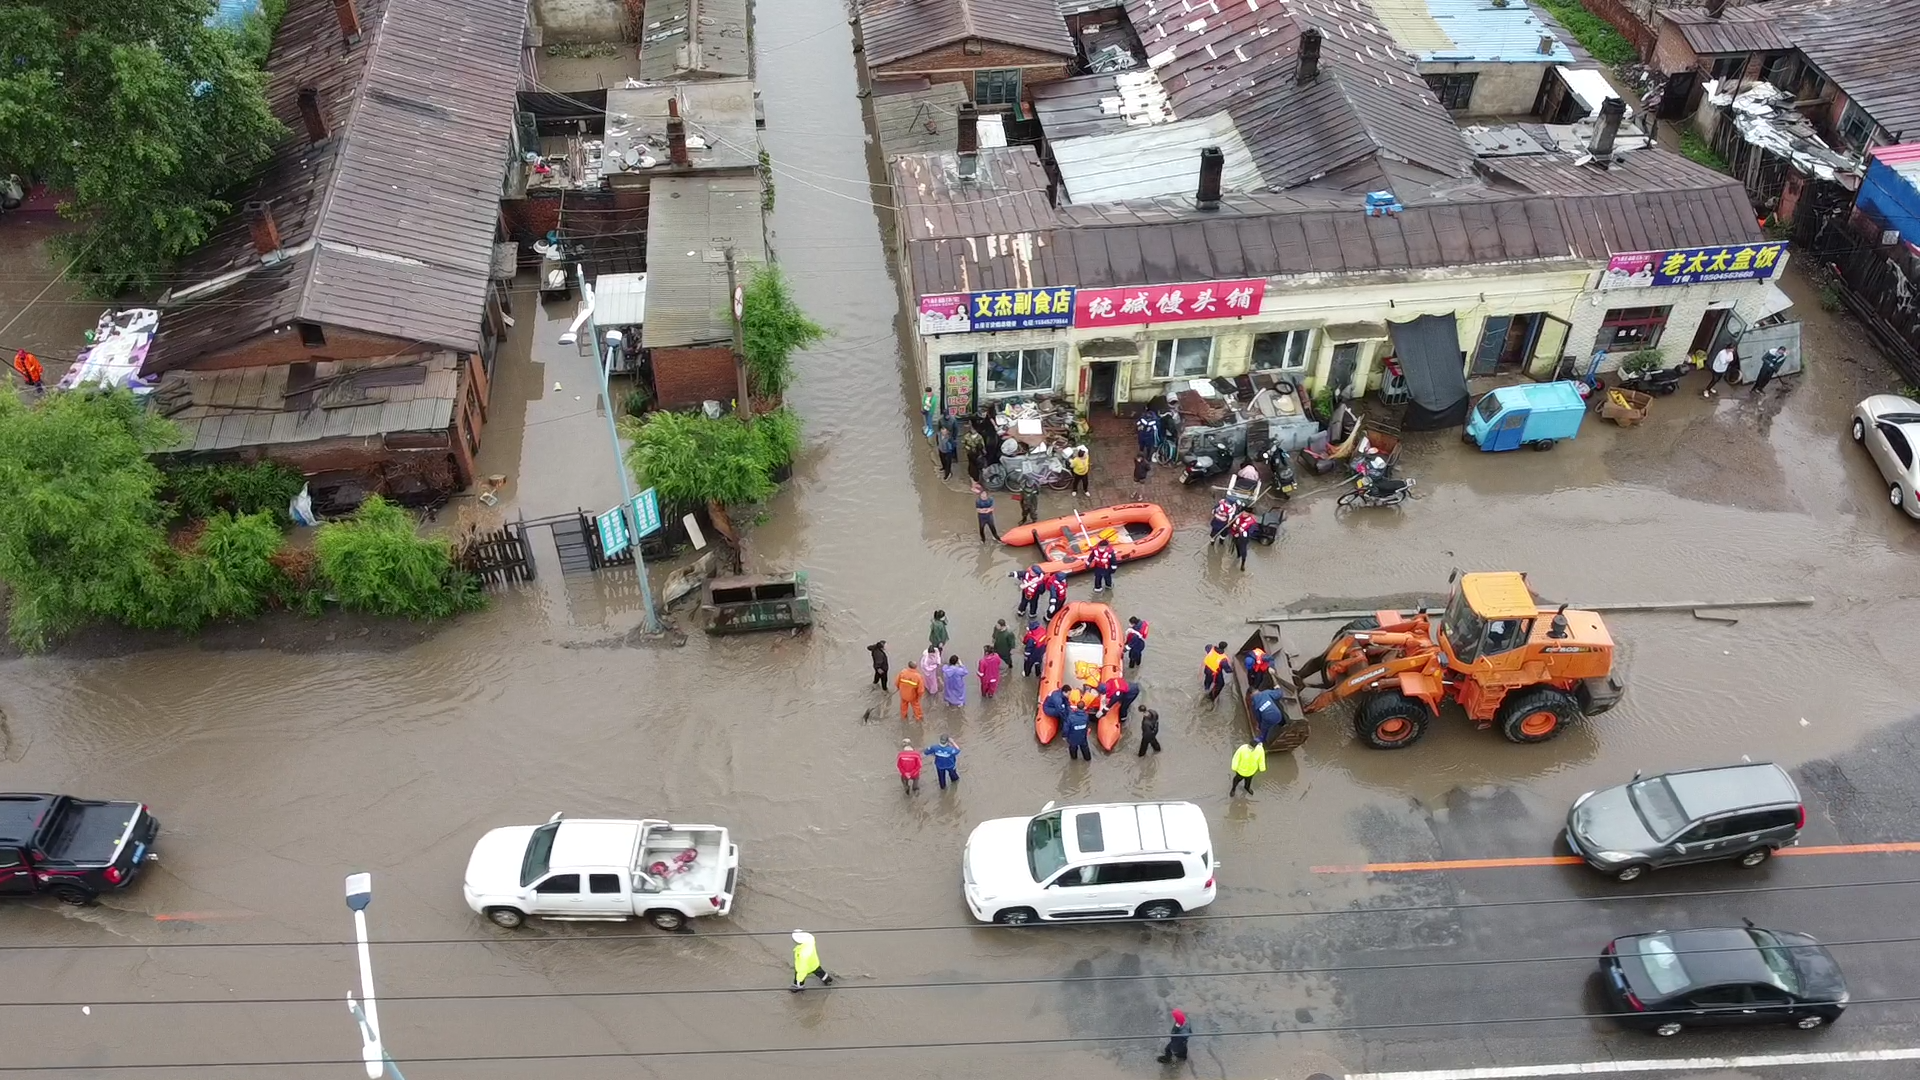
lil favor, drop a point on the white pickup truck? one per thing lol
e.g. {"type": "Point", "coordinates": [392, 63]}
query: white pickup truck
{"type": "Point", "coordinates": [605, 871]}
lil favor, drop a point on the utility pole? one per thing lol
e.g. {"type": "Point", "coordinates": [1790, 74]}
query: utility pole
{"type": "Point", "coordinates": [365, 1012]}
{"type": "Point", "coordinates": [743, 407]}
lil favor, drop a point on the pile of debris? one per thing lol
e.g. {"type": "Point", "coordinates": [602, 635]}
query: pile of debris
{"type": "Point", "coordinates": [1765, 117]}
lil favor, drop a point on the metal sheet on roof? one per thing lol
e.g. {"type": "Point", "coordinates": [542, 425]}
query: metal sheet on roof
{"type": "Point", "coordinates": [719, 112]}
{"type": "Point", "coordinates": [1590, 88]}
{"type": "Point", "coordinates": [620, 299]}
{"type": "Point", "coordinates": [682, 39]}
{"type": "Point", "coordinates": [691, 222]}
{"type": "Point", "coordinates": [1743, 29]}
{"type": "Point", "coordinates": [926, 121]}
{"type": "Point", "coordinates": [1163, 159]}
{"type": "Point", "coordinates": [264, 406]}
{"type": "Point", "coordinates": [1865, 49]}
{"type": "Point", "coordinates": [1471, 31]}
{"type": "Point", "coordinates": [1100, 104]}
{"type": "Point", "coordinates": [893, 30]}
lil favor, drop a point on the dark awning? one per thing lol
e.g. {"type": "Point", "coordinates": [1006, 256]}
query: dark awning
{"type": "Point", "coordinates": [1435, 370]}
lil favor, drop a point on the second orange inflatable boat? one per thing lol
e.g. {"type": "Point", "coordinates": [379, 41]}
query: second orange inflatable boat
{"type": "Point", "coordinates": [1136, 530]}
{"type": "Point", "coordinates": [1084, 647]}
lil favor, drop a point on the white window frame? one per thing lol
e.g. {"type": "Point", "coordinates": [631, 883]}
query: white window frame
{"type": "Point", "coordinates": [1304, 334]}
{"type": "Point", "coordinates": [1173, 348]}
{"type": "Point", "coordinates": [983, 384]}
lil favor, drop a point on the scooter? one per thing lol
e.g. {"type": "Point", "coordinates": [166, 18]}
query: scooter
{"type": "Point", "coordinates": [1368, 491]}
{"type": "Point", "coordinates": [1656, 381]}
{"type": "Point", "coordinates": [1280, 467]}
{"type": "Point", "coordinates": [1213, 458]}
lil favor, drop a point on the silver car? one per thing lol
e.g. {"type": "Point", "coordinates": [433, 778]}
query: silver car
{"type": "Point", "coordinates": [1889, 427]}
{"type": "Point", "coordinates": [1738, 812]}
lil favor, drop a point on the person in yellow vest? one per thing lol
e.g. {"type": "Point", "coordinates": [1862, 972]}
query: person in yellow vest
{"type": "Point", "coordinates": [1248, 761]}
{"type": "Point", "coordinates": [1080, 465]}
{"type": "Point", "coordinates": [806, 962]}
{"type": "Point", "coordinates": [1213, 673]}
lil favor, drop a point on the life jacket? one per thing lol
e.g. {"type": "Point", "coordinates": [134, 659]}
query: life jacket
{"type": "Point", "coordinates": [1244, 524]}
{"type": "Point", "coordinates": [1137, 632]}
{"type": "Point", "coordinates": [806, 958]}
{"type": "Point", "coordinates": [911, 683]}
{"type": "Point", "coordinates": [1213, 659]}
{"type": "Point", "coordinates": [1030, 583]}
{"type": "Point", "coordinates": [1102, 556]}
{"type": "Point", "coordinates": [1115, 688]}
{"type": "Point", "coordinates": [1148, 422]}
{"type": "Point", "coordinates": [1036, 638]}
{"type": "Point", "coordinates": [1056, 585]}
{"type": "Point", "coordinates": [1248, 760]}
{"type": "Point", "coordinates": [1257, 661]}
{"type": "Point", "coordinates": [28, 365]}
{"type": "Point", "coordinates": [1224, 511]}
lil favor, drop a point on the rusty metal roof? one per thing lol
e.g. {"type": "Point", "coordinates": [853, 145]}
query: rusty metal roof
{"type": "Point", "coordinates": [1866, 49]}
{"type": "Point", "coordinates": [1746, 29]}
{"type": "Point", "coordinates": [295, 403]}
{"type": "Point", "coordinates": [1101, 104]}
{"type": "Point", "coordinates": [693, 39]}
{"type": "Point", "coordinates": [718, 113]}
{"type": "Point", "coordinates": [691, 221]}
{"type": "Point", "coordinates": [389, 226]}
{"type": "Point", "coordinates": [1008, 194]}
{"type": "Point", "coordinates": [896, 29]}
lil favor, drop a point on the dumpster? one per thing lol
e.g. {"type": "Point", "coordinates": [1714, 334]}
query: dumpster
{"type": "Point", "coordinates": [737, 605]}
{"type": "Point", "coordinates": [1533, 414]}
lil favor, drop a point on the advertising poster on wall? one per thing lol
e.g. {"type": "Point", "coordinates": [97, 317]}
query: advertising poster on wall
{"type": "Point", "coordinates": [944, 313]}
{"type": "Point", "coordinates": [1694, 266]}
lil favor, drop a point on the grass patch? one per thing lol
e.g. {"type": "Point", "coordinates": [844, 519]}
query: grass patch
{"type": "Point", "coordinates": [1605, 43]}
{"type": "Point", "coordinates": [1696, 149]}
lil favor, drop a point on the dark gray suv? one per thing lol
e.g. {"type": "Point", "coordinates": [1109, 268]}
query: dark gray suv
{"type": "Point", "coordinates": [1740, 812]}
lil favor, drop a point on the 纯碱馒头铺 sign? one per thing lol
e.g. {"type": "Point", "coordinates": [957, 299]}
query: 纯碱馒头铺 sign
{"type": "Point", "coordinates": [1695, 266]}
{"type": "Point", "coordinates": [1140, 304]}
{"type": "Point", "coordinates": [1020, 309]}
{"type": "Point", "coordinates": [944, 313]}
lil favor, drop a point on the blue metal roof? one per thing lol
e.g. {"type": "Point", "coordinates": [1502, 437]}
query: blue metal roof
{"type": "Point", "coordinates": [1471, 31]}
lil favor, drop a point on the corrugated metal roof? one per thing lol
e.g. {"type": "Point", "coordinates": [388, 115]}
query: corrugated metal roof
{"type": "Point", "coordinates": [1470, 31]}
{"type": "Point", "coordinates": [620, 299]}
{"type": "Point", "coordinates": [926, 121]}
{"type": "Point", "coordinates": [1738, 29]}
{"type": "Point", "coordinates": [1866, 49]}
{"type": "Point", "coordinates": [1152, 161]}
{"type": "Point", "coordinates": [896, 29]}
{"type": "Point", "coordinates": [421, 112]}
{"type": "Point", "coordinates": [691, 221]}
{"type": "Point", "coordinates": [1007, 195]}
{"type": "Point", "coordinates": [295, 403]}
{"type": "Point", "coordinates": [694, 39]}
{"type": "Point", "coordinates": [719, 111]}
{"type": "Point", "coordinates": [1101, 104]}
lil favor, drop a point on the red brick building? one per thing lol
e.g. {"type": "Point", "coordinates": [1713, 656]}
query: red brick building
{"type": "Point", "coordinates": [997, 49]}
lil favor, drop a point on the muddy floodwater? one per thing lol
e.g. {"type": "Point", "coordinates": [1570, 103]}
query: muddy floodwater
{"type": "Point", "coordinates": [279, 764]}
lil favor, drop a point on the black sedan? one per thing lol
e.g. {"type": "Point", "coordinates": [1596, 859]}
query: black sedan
{"type": "Point", "coordinates": [1668, 981]}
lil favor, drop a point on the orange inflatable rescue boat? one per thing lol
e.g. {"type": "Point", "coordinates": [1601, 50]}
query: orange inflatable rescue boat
{"type": "Point", "coordinates": [1084, 647]}
{"type": "Point", "coordinates": [1136, 530]}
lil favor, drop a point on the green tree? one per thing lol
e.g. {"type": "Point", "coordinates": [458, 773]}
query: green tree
{"type": "Point", "coordinates": [772, 327]}
{"type": "Point", "coordinates": [139, 111]}
{"type": "Point", "coordinates": [375, 562]}
{"type": "Point", "coordinates": [81, 521]}
{"type": "Point", "coordinates": [691, 459]}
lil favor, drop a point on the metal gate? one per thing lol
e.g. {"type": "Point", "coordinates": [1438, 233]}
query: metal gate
{"type": "Point", "coordinates": [577, 541]}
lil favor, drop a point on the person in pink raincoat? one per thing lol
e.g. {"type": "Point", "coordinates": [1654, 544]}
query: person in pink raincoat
{"type": "Point", "coordinates": [989, 670]}
{"type": "Point", "coordinates": [930, 669]}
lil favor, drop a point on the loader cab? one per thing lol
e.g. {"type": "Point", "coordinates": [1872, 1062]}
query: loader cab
{"type": "Point", "coordinates": [1490, 616]}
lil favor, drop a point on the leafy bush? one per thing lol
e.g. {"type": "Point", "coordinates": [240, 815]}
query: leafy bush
{"type": "Point", "coordinates": [636, 402]}
{"type": "Point", "coordinates": [1641, 360]}
{"type": "Point", "coordinates": [374, 562]}
{"type": "Point", "coordinates": [1699, 151]}
{"type": "Point", "coordinates": [1831, 298]}
{"type": "Point", "coordinates": [256, 32]}
{"type": "Point", "coordinates": [1605, 43]}
{"type": "Point", "coordinates": [229, 574]}
{"type": "Point", "coordinates": [772, 327]}
{"type": "Point", "coordinates": [692, 459]}
{"type": "Point", "coordinates": [197, 491]}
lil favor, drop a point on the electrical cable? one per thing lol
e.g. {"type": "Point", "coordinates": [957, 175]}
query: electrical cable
{"type": "Point", "coordinates": [1202, 917]}
{"type": "Point", "coordinates": [945, 1044]}
{"type": "Point", "coordinates": [969, 984]}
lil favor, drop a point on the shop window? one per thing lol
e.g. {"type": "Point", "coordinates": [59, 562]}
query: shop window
{"type": "Point", "coordinates": [1020, 371]}
{"type": "Point", "coordinates": [1287, 350]}
{"type": "Point", "coordinates": [1182, 358]}
{"type": "Point", "coordinates": [1454, 91]}
{"type": "Point", "coordinates": [1627, 329]}
{"type": "Point", "coordinates": [999, 86]}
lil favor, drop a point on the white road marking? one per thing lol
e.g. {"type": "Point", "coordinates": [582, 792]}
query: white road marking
{"type": "Point", "coordinates": [1609, 1068]}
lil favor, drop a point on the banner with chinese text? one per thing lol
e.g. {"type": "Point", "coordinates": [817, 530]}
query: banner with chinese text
{"type": "Point", "coordinates": [1695, 266]}
{"type": "Point", "coordinates": [1140, 304]}
{"type": "Point", "coordinates": [1020, 309]}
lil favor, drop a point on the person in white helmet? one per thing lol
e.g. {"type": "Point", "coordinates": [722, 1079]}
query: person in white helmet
{"type": "Point", "coordinates": [806, 962]}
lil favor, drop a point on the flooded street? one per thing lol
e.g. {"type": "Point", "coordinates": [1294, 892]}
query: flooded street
{"type": "Point", "coordinates": [277, 768]}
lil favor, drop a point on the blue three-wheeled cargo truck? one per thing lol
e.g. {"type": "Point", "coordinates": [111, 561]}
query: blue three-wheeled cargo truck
{"type": "Point", "coordinates": [1531, 414]}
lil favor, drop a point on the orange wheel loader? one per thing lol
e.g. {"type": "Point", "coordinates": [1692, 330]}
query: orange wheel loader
{"type": "Point", "coordinates": [1495, 651]}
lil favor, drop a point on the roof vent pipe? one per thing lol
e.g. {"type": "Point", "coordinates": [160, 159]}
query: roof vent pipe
{"type": "Point", "coordinates": [1612, 111]}
{"type": "Point", "coordinates": [676, 134]}
{"type": "Point", "coordinates": [349, 17]}
{"type": "Point", "coordinates": [310, 114]}
{"type": "Point", "coordinates": [968, 146]}
{"type": "Point", "coordinates": [1716, 8]}
{"type": "Point", "coordinates": [1212, 164]}
{"type": "Point", "coordinates": [1309, 56]}
{"type": "Point", "coordinates": [1547, 42]}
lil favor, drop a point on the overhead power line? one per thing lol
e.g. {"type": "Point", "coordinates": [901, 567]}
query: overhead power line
{"type": "Point", "coordinates": [1202, 917]}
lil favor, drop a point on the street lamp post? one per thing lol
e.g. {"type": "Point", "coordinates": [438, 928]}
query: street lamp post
{"type": "Point", "coordinates": [366, 1012]}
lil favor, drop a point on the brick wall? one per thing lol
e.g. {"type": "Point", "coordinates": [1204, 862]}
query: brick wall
{"type": "Point", "coordinates": [285, 347]}
{"type": "Point", "coordinates": [1671, 53]}
{"type": "Point", "coordinates": [954, 64]}
{"type": "Point", "coordinates": [531, 218]}
{"type": "Point", "coordinates": [688, 376]}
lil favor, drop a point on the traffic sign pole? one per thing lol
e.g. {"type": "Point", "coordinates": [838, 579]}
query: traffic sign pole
{"type": "Point", "coordinates": [603, 362]}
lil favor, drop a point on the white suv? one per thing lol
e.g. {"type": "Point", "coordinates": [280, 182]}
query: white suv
{"type": "Point", "coordinates": [1107, 861]}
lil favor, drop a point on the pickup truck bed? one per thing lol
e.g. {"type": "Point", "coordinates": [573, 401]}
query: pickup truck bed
{"type": "Point", "coordinates": [663, 847]}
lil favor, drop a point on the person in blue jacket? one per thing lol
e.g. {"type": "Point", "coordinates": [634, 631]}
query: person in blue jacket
{"type": "Point", "coordinates": [1033, 648]}
{"type": "Point", "coordinates": [946, 760]}
{"type": "Point", "coordinates": [1075, 726]}
{"type": "Point", "coordinates": [1055, 704]}
{"type": "Point", "coordinates": [1269, 710]}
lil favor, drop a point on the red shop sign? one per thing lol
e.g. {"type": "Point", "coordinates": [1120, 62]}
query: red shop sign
{"type": "Point", "coordinates": [1140, 304]}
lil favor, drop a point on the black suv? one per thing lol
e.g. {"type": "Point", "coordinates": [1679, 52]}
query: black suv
{"type": "Point", "coordinates": [71, 849]}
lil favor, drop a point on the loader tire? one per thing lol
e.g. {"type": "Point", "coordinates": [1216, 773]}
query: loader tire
{"type": "Point", "coordinates": [1537, 715]}
{"type": "Point", "coordinates": [1391, 720]}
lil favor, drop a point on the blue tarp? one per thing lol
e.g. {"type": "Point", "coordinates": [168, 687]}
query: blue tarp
{"type": "Point", "coordinates": [231, 13]}
{"type": "Point", "coordinates": [1890, 193]}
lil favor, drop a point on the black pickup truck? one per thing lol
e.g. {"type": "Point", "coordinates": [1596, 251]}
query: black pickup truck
{"type": "Point", "coordinates": [72, 849]}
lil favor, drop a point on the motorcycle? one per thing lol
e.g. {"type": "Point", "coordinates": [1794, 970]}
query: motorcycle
{"type": "Point", "coordinates": [1370, 491]}
{"type": "Point", "coordinates": [1211, 459]}
{"type": "Point", "coordinates": [1656, 381]}
{"type": "Point", "coordinates": [1280, 468]}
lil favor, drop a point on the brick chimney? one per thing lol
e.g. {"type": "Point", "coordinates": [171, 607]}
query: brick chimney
{"type": "Point", "coordinates": [349, 16]}
{"type": "Point", "coordinates": [314, 119]}
{"type": "Point", "coordinates": [1612, 111]}
{"type": "Point", "coordinates": [967, 149]}
{"type": "Point", "coordinates": [1309, 56]}
{"type": "Point", "coordinates": [676, 134]}
{"type": "Point", "coordinates": [266, 235]}
{"type": "Point", "coordinates": [1212, 164]}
